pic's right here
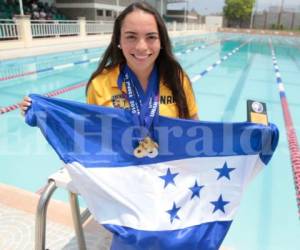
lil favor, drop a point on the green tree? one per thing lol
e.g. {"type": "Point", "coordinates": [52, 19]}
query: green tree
{"type": "Point", "coordinates": [238, 11]}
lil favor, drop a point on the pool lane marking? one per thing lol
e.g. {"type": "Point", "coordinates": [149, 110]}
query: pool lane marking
{"type": "Point", "coordinates": [69, 65]}
{"type": "Point", "coordinates": [289, 127]}
{"type": "Point", "coordinates": [64, 66]}
{"type": "Point", "coordinates": [63, 90]}
{"type": "Point", "coordinates": [218, 62]}
{"type": "Point", "coordinates": [57, 92]}
{"type": "Point", "coordinates": [236, 92]}
{"type": "Point", "coordinates": [186, 43]}
{"type": "Point", "coordinates": [57, 67]}
{"type": "Point", "coordinates": [49, 94]}
{"type": "Point", "coordinates": [199, 47]}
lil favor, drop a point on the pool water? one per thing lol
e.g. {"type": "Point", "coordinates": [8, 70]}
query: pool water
{"type": "Point", "coordinates": [267, 218]}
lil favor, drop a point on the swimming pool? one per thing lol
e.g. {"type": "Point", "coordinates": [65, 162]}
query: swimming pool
{"type": "Point", "coordinates": [226, 69]}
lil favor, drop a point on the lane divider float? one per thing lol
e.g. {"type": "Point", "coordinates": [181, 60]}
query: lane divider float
{"type": "Point", "coordinates": [218, 62]}
{"type": "Point", "coordinates": [57, 67]}
{"type": "Point", "coordinates": [289, 127]}
{"type": "Point", "coordinates": [50, 94]}
{"type": "Point", "coordinates": [92, 60]}
{"type": "Point", "coordinates": [199, 47]}
{"type": "Point", "coordinates": [63, 90]}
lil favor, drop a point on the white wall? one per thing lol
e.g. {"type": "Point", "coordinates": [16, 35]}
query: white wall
{"type": "Point", "coordinates": [214, 21]}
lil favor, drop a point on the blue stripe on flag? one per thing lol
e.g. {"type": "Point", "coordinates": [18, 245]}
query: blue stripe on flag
{"type": "Point", "coordinates": [191, 238]}
{"type": "Point", "coordinates": [178, 139]}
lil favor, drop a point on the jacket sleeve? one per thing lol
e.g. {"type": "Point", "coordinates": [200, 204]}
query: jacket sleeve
{"type": "Point", "coordinates": [190, 97]}
{"type": "Point", "coordinates": [94, 93]}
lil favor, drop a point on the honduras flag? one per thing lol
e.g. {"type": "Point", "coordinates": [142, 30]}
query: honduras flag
{"type": "Point", "coordinates": [184, 199]}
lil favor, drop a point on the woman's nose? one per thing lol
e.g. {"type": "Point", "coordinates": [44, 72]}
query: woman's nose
{"type": "Point", "coordinates": [142, 44]}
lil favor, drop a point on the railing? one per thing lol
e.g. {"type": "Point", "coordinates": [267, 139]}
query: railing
{"type": "Point", "coordinates": [180, 26]}
{"type": "Point", "coordinates": [29, 29]}
{"type": "Point", "coordinates": [8, 29]}
{"type": "Point", "coordinates": [99, 27]}
{"type": "Point", "coordinates": [48, 28]}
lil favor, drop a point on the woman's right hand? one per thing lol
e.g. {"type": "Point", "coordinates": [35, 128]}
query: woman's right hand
{"type": "Point", "coordinates": [25, 104]}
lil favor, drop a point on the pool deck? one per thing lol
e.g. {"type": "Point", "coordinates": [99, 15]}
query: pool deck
{"type": "Point", "coordinates": [17, 223]}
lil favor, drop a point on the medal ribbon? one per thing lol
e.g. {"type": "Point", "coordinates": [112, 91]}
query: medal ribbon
{"type": "Point", "coordinates": [145, 112]}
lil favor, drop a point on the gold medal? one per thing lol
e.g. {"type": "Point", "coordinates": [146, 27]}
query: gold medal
{"type": "Point", "coordinates": [139, 152]}
{"type": "Point", "coordinates": [153, 153]}
{"type": "Point", "coordinates": [146, 147]}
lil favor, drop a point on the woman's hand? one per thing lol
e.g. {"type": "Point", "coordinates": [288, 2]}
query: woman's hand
{"type": "Point", "coordinates": [25, 104]}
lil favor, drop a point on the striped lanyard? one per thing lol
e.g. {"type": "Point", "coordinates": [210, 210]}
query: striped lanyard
{"type": "Point", "coordinates": [145, 112]}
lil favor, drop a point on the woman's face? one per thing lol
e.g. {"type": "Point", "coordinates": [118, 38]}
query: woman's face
{"type": "Point", "coordinates": [140, 41]}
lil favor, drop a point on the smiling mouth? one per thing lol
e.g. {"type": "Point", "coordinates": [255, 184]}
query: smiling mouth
{"type": "Point", "coordinates": [141, 57]}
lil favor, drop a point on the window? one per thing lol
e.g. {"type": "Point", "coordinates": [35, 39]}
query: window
{"type": "Point", "coordinates": [99, 12]}
{"type": "Point", "coordinates": [108, 13]}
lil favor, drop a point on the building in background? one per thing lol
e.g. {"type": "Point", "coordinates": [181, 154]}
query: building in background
{"type": "Point", "coordinates": [95, 10]}
{"type": "Point", "coordinates": [105, 10]}
{"type": "Point", "coordinates": [180, 16]}
{"type": "Point", "coordinates": [179, 11]}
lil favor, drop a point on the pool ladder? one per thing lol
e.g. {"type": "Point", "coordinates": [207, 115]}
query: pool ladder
{"type": "Point", "coordinates": [60, 179]}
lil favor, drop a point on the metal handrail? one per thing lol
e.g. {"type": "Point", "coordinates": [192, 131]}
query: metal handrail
{"type": "Point", "coordinates": [41, 217]}
{"type": "Point", "coordinates": [41, 212]}
{"type": "Point", "coordinates": [77, 221]}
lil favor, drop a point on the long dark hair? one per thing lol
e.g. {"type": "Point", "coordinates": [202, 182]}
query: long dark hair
{"type": "Point", "coordinates": [170, 71]}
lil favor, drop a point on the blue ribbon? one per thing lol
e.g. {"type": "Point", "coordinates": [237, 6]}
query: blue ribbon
{"type": "Point", "coordinates": [143, 106]}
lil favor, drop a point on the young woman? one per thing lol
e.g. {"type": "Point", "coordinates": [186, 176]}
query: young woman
{"type": "Point", "coordinates": [140, 48]}
{"type": "Point", "coordinates": [140, 45]}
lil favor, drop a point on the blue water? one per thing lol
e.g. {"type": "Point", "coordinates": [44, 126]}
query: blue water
{"type": "Point", "coordinates": [267, 218]}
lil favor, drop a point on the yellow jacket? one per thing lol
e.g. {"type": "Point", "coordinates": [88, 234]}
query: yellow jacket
{"type": "Point", "coordinates": [104, 91]}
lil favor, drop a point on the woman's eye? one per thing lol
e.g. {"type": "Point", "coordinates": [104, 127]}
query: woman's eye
{"type": "Point", "coordinates": [152, 37]}
{"type": "Point", "coordinates": [130, 38]}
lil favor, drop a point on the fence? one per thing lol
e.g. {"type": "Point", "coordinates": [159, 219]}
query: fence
{"type": "Point", "coordinates": [284, 20]}
{"type": "Point", "coordinates": [41, 28]}
{"type": "Point", "coordinates": [96, 27]}
{"type": "Point", "coordinates": [24, 27]}
{"type": "Point", "coordinates": [8, 29]}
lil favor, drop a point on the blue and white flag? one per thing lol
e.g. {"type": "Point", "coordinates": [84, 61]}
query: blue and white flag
{"type": "Point", "coordinates": [185, 198]}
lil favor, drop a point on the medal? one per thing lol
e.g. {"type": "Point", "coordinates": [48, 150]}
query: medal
{"type": "Point", "coordinates": [153, 153]}
{"type": "Point", "coordinates": [151, 147]}
{"type": "Point", "coordinates": [139, 152]}
{"type": "Point", "coordinates": [144, 109]}
{"type": "Point", "coordinates": [146, 147]}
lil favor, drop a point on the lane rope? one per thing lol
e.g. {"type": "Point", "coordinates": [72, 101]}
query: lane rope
{"type": "Point", "coordinates": [289, 127]}
{"type": "Point", "coordinates": [53, 68]}
{"type": "Point", "coordinates": [49, 94]}
{"type": "Point", "coordinates": [198, 47]}
{"type": "Point", "coordinates": [63, 90]}
{"type": "Point", "coordinates": [218, 62]}
{"type": "Point", "coordinates": [87, 61]}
